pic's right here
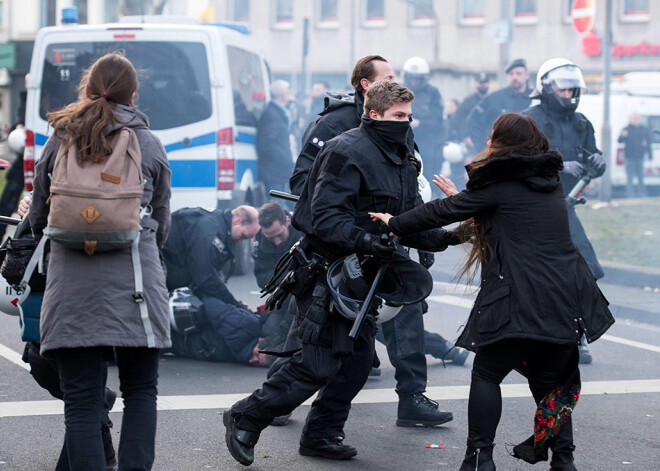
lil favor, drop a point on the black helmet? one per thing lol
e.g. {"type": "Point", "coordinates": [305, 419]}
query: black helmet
{"type": "Point", "coordinates": [404, 282]}
{"type": "Point", "coordinates": [186, 310]}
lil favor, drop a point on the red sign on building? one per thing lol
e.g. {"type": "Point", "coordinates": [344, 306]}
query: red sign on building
{"type": "Point", "coordinates": [583, 14]}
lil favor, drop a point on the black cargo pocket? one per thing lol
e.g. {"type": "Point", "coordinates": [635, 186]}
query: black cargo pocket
{"type": "Point", "coordinates": [493, 311]}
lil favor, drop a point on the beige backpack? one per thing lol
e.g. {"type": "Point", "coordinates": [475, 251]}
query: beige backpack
{"type": "Point", "coordinates": [95, 207]}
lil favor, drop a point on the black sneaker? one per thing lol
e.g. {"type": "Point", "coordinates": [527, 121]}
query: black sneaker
{"type": "Point", "coordinates": [281, 420]}
{"type": "Point", "coordinates": [417, 410]}
{"type": "Point", "coordinates": [240, 443]}
{"type": "Point", "coordinates": [329, 447]}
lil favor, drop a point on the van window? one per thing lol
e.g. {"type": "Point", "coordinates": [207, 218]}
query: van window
{"type": "Point", "coordinates": [175, 87]}
{"type": "Point", "coordinates": [248, 85]}
{"type": "Point", "coordinates": [653, 123]}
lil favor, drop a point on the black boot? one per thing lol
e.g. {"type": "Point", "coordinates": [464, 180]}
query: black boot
{"type": "Point", "coordinates": [418, 410]}
{"type": "Point", "coordinates": [562, 460]}
{"type": "Point", "coordinates": [478, 459]}
{"type": "Point", "coordinates": [239, 442]}
{"type": "Point", "coordinates": [328, 447]}
{"type": "Point", "coordinates": [525, 451]}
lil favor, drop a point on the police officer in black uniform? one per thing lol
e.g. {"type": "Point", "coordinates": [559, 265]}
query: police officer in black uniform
{"type": "Point", "coordinates": [404, 335]}
{"type": "Point", "coordinates": [558, 86]}
{"type": "Point", "coordinates": [511, 99]}
{"type": "Point", "coordinates": [368, 167]}
{"type": "Point", "coordinates": [199, 254]}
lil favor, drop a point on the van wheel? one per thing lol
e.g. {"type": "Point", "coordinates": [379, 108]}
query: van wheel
{"type": "Point", "coordinates": [243, 263]}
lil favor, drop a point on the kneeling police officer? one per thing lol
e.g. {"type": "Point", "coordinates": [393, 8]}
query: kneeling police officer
{"type": "Point", "coordinates": [372, 166]}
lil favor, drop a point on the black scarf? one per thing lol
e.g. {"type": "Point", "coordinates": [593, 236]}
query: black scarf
{"type": "Point", "coordinates": [392, 132]}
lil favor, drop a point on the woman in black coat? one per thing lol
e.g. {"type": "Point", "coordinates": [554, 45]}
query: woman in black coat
{"type": "Point", "coordinates": [537, 294]}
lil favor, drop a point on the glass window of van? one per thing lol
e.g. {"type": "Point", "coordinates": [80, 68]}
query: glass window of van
{"type": "Point", "coordinates": [248, 85]}
{"type": "Point", "coordinates": [175, 88]}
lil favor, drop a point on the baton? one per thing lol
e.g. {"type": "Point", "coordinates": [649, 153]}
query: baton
{"type": "Point", "coordinates": [359, 319]}
{"type": "Point", "coordinates": [284, 195]}
{"type": "Point", "coordinates": [10, 221]}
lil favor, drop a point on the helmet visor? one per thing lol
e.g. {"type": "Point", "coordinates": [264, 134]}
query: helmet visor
{"type": "Point", "coordinates": [566, 77]}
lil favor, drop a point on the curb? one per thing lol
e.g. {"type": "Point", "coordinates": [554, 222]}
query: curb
{"type": "Point", "coordinates": [631, 275]}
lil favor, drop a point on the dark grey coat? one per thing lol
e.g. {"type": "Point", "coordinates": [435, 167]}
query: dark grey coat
{"type": "Point", "coordinates": [536, 284]}
{"type": "Point", "coordinates": [89, 299]}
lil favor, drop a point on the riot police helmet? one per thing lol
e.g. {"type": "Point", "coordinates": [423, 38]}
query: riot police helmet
{"type": "Point", "coordinates": [186, 311]}
{"type": "Point", "coordinates": [416, 71]}
{"type": "Point", "coordinates": [350, 278]}
{"type": "Point", "coordinates": [560, 83]}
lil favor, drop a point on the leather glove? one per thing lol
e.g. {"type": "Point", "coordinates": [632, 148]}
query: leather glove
{"type": "Point", "coordinates": [309, 329]}
{"type": "Point", "coordinates": [596, 164]}
{"type": "Point", "coordinates": [574, 169]}
{"type": "Point", "coordinates": [381, 247]}
{"type": "Point", "coordinates": [426, 259]}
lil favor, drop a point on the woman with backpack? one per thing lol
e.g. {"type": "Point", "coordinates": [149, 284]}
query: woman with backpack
{"type": "Point", "coordinates": [97, 301]}
{"type": "Point", "coordinates": [537, 294]}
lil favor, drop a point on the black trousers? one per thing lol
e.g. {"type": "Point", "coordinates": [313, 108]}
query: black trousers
{"type": "Point", "coordinates": [546, 366]}
{"type": "Point", "coordinates": [403, 337]}
{"type": "Point", "coordinates": [313, 369]}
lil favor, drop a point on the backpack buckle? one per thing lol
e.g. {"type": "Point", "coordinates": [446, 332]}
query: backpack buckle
{"type": "Point", "coordinates": [138, 297]}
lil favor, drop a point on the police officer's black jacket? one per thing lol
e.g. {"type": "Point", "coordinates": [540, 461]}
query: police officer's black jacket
{"type": "Point", "coordinates": [198, 250]}
{"type": "Point", "coordinates": [266, 254]}
{"type": "Point", "coordinates": [482, 117]}
{"type": "Point", "coordinates": [535, 284]}
{"type": "Point", "coordinates": [460, 119]}
{"type": "Point", "coordinates": [570, 133]}
{"type": "Point", "coordinates": [341, 113]}
{"type": "Point", "coordinates": [358, 172]}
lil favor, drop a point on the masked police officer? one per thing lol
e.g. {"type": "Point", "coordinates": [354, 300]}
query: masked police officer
{"type": "Point", "coordinates": [199, 254]}
{"type": "Point", "coordinates": [559, 84]}
{"type": "Point", "coordinates": [404, 336]}
{"type": "Point", "coordinates": [368, 167]}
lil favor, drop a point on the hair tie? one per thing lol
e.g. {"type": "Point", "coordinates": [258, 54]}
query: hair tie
{"type": "Point", "coordinates": [103, 95]}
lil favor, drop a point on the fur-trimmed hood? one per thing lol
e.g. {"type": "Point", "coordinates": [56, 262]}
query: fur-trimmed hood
{"type": "Point", "coordinates": [540, 172]}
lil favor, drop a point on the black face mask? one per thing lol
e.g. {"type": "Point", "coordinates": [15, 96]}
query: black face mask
{"type": "Point", "coordinates": [394, 132]}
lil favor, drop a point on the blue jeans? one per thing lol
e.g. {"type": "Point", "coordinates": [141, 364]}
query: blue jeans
{"type": "Point", "coordinates": [82, 374]}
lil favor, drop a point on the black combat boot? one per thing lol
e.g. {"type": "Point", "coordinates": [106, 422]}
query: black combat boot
{"type": "Point", "coordinates": [328, 447]}
{"type": "Point", "coordinates": [456, 356]}
{"type": "Point", "coordinates": [478, 459]}
{"type": "Point", "coordinates": [239, 442]}
{"type": "Point", "coordinates": [418, 410]}
{"type": "Point", "coordinates": [562, 460]}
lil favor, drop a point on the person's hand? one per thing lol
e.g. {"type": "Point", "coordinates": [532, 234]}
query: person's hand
{"type": "Point", "coordinates": [445, 184]}
{"type": "Point", "coordinates": [258, 359]}
{"type": "Point", "coordinates": [380, 247]}
{"type": "Point", "coordinates": [24, 206]}
{"type": "Point", "coordinates": [624, 133]}
{"type": "Point", "coordinates": [596, 164]}
{"type": "Point", "coordinates": [382, 217]}
{"type": "Point", "coordinates": [426, 259]}
{"type": "Point", "coordinates": [574, 169]}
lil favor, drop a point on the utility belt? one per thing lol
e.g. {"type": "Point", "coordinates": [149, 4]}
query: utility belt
{"type": "Point", "coordinates": [296, 272]}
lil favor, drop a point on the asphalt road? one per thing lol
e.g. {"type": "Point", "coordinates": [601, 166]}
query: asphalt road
{"type": "Point", "coordinates": [617, 421]}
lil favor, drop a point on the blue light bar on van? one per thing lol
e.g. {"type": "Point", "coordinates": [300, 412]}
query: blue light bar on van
{"type": "Point", "coordinates": [235, 25]}
{"type": "Point", "coordinates": [69, 15]}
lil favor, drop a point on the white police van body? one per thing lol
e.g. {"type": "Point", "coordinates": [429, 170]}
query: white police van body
{"type": "Point", "coordinates": [638, 92]}
{"type": "Point", "coordinates": [202, 87]}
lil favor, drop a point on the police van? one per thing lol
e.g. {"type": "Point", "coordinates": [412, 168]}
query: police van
{"type": "Point", "coordinates": [637, 92]}
{"type": "Point", "coordinates": [201, 85]}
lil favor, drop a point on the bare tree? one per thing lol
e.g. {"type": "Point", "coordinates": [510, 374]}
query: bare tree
{"type": "Point", "coordinates": [142, 7]}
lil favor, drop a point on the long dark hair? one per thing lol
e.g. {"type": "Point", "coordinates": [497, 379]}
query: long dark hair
{"type": "Point", "coordinates": [111, 79]}
{"type": "Point", "coordinates": [513, 134]}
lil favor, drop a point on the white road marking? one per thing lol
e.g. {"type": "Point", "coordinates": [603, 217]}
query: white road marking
{"type": "Point", "coordinates": [631, 343]}
{"type": "Point", "coordinates": [13, 357]}
{"type": "Point", "coordinates": [366, 396]}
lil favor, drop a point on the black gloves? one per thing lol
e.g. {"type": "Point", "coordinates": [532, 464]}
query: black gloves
{"type": "Point", "coordinates": [426, 259]}
{"type": "Point", "coordinates": [596, 165]}
{"type": "Point", "coordinates": [381, 247]}
{"type": "Point", "coordinates": [310, 327]}
{"type": "Point", "coordinates": [574, 169]}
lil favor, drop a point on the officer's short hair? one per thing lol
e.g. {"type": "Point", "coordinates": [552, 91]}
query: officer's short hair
{"type": "Point", "coordinates": [383, 94]}
{"type": "Point", "coordinates": [243, 211]}
{"type": "Point", "coordinates": [271, 212]}
{"type": "Point", "coordinates": [364, 68]}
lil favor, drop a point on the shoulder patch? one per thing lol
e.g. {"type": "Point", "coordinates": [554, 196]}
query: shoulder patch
{"type": "Point", "coordinates": [335, 163]}
{"type": "Point", "coordinates": [217, 243]}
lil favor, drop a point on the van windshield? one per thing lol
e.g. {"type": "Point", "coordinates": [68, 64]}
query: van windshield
{"type": "Point", "coordinates": [175, 87]}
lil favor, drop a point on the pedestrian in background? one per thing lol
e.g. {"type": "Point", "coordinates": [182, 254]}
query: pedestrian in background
{"type": "Point", "coordinates": [637, 140]}
{"type": "Point", "coordinates": [537, 294]}
{"type": "Point", "coordinates": [273, 142]}
{"type": "Point", "coordinates": [89, 304]}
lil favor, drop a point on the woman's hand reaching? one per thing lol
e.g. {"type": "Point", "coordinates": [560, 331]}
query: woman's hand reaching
{"type": "Point", "coordinates": [382, 217]}
{"type": "Point", "coordinates": [445, 184]}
